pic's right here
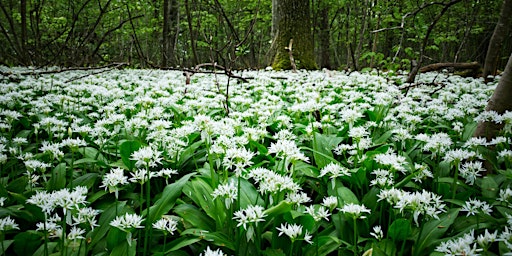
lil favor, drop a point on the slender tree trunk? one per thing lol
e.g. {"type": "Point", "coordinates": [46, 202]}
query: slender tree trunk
{"type": "Point", "coordinates": [294, 23]}
{"type": "Point", "coordinates": [191, 33]}
{"type": "Point", "coordinates": [23, 13]}
{"type": "Point", "coordinates": [171, 12]}
{"type": "Point", "coordinates": [498, 37]}
{"type": "Point", "coordinates": [324, 37]}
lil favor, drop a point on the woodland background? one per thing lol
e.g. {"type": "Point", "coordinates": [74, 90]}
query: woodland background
{"type": "Point", "coordinates": [385, 34]}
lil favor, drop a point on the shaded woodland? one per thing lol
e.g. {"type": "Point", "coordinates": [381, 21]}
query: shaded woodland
{"type": "Point", "coordinates": [241, 34]}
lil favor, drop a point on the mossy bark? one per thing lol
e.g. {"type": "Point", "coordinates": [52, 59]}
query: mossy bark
{"type": "Point", "coordinates": [294, 23]}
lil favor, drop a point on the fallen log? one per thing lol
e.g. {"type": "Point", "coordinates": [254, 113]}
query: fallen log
{"type": "Point", "coordinates": [474, 66]}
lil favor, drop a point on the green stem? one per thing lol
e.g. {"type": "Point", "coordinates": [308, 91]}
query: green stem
{"type": "Point", "coordinates": [455, 180]}
{"type": "Point", "coordinates": [355, 236]}
{"type": "Point", "coordinates": [2, 242]}
{"type": "Point", "coordinates": [148, 204]}
{"type": "Point", "coordinates": [291, 248]}
{"type": "Point", "coordinates": [165, 241]}
{"type": "Point", "coordinates": [418, 241]}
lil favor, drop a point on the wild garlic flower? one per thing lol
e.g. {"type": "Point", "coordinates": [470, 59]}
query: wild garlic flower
{"type": "Point", "coordinates": [76, 233]}
{"type": "Point", "coordinates": [73, 143]}
{"type": "Point", "coordinates": [318, 212]}
{"type": "Point", "coordinates": [166, 224]}
{"type": "Point", "coordinates": [475, 206]}
{"type": "Point", "coordinates": [297, 197]}
{"type": "Point", "coordinates": [392, 160]}
{"type": "Point", "coordinates": [457, 155]}
{"type": "Point", "coordinates": [334, 170]}
{"type": "Point", "coordinates": [86, 215]}
{"type": "Point", "coordinates": [330, 202]}
{"type": "Point", "coordinates": [287, 149]}
{"type": "Point", "coordinates": [486, 239]}
{"type": "Point", "coordinates": [421, 172]}
{"type": "Point", "coordinates": [44, 200]}
{"type": "Point", "coordinates": [7, 224]}
{"type": "Point", "coordinates": [2, 201]}
{"type": "Point", "coordinates": [271, 182]}
{"type": "Point", "coordinates": [505, 196]}
{"type": "Point", "coordinates": [210, 252]}
{"type": "Point", "coordinates": [239, 158]}
{"type": "Point", "coordinates": [437, 143]}
{"type": "Point", "coordinates": [113, 179]}
{"type": "Point", "coordinates": [470, 171]}
{"type": "Point", "coordinates": [356, 211]}
{"type": "Point", "coordinates": [420, 203]}
{"type": "Point", "coordinates": [54, 230]}
{"type": "Point", "coordinates": [127, 222]}
{"type": "Point", "coordinates": [377, 233]}
{"type": "Point", "coordinates": [383, 178]}
{"type": "Point", "coordinates": [147, 156]}
{"type": "Point", "coordinates": [464, 245]}
{"type": "Point", "coordinates": [251, 214]}
{"type": "Point", "coordinates": [140, 176]}
{"type": "Point", "coordinates": [229, 191]}
{"type": "Point", "coordinates": [294, 231]}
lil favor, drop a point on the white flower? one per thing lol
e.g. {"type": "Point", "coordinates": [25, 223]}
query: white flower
{"type": "Point", "coordinates": [475, 206]}
{"type": "Point", "coordinates": [464, 245]}
{"type": "Point", "coordinates": [457, 155]}
{"type": "Point", "coordinates": [210, 252]}
{"type": "Point", "coordinates": [86, 215]}
{"type": "Point", "coordinates": [76, 233]}
{"type": "Point", "coordinates": [377, 233]}
{"type": "Point", "coordinates": [127, 222]}
{"type": "Point", "coordinates": [2, 201]}
{"type": "Point", "coordinates": [229, 191]}
{"type": "Point", "coordinates": [297, 198]}
{"type": "Point", "coordinates": [318, 213]}
{"type": "Point", "coordinates": [330, 202]}
{"type": "Point", "coordinates": [239, 158]}
{"type": "Point", "coordinates": [355, 210]}
{"type": "Point", "coordinates": [166, 224]}
{"type": "Point", "coordinates": [147, 156]}
{"type": "Point", "coordinates": [470, 171]}
{"type": "Point", "coordinates": [292, 231]}
{"type": "Point", "coordinates": [7, 224]}
{"type": "Point", "coordinates": [252, 214]}
{"type": "Point", "coordinates": [334, 170]}
{"type": "Point", "coordinates": [114, 178]}
{"type": "Point", "coordinates": [487, 238]}
{"type": "Point", "coordinates": [140, 176]}
{"type": "Point", "coordinates": [287, 149]}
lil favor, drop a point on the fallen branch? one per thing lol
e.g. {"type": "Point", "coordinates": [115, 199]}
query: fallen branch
{"type": "Point", "coordinates": [457, 66]}
{"type": "Point", "coordinates": [46, 72]}
{"type": "Point", "coordinates": [118, 65]}
{"type": "Point", "coordinates": [197, 69]}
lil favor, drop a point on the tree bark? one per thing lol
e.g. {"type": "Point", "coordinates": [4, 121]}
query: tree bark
{"type": "Point", "coordinates": [294, 23]}
{"type": "Point", "coordinates": [324, 37]}
{"type": "Point", "coordinates": [500, 102]}
{"type": "Point", "coordinates": [171, 12]}
{"type": "Point", "coordinates": [498, 37]}
{"type": "Point", "coordinates": [457, 66]}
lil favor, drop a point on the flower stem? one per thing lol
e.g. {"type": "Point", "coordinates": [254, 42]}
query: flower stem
{"type": "Point", "coordinates": [148, 204]}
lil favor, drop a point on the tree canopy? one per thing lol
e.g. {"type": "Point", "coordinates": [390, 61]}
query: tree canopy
{"type": "Point", "coordinates": [346, 34]}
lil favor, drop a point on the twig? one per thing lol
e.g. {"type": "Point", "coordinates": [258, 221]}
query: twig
{"type": "Point", "coordinates": [118, 65]}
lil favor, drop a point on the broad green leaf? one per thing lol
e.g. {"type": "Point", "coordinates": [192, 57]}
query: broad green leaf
{"type": "Point", "coordinates": [217, 238]}
{"type": "Point", "coordinates": [400, 229]}
{"type": "Point", "coordinates": [273, 252]}
{"type": "Point", "coordinates": [5, 245]}
{"type": "Point", "coordinates": [249, 195]}
{"type": "Point", "coordinates": [347, 196]}
{"type": "Point", "coordinates": [26, 243]}
{"type": "Point", "coordinates": [93, 153]}
{"type": "Point", "coordinates": [104, 221]}
{"type": "Point", "coordinates": [88, 180]}
{"type": "Point", "coordinates": [323, 245]}
{"type": "Point", "coordinates": [282, 207]}
{"type": "Point", "coordinates": [58, 178]}
{"type": "Point", "coordinates": [18, 185]}
{"type": "Point", "coordinates": [168, 199]}
{"type": "Point", "coordinates": [123, 249]}
{"type": "Point", "coordinates": [180, 243]}
{"type": "Point", "coordinates": [322, 148]}
{"type": "Point", "coordinates": [201, 193]}
{"type": "Point", "coordinates": [489, 187]}
{"type": "Point", "coordinates": [84, 161]}
{"type": "Point", "coordinates": [385, 247]}
{"type": "Point", "coordinates": [126, 149]}
{"type": "Point", "coordinates": [434, 229]}
{"type": "Point", "coordinates": [194, 217]}
{"type": "Point", "coordinates": [469, 130]}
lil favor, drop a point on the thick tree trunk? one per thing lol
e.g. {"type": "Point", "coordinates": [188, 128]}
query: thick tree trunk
{"type": "Point", "coordinates": [501, 101]}
{"type": "Point", "coordinates": [456, 66]}
{"type": "Point", "coordinates": [498, 37]}
{"type": "Point", "coordinates": [294, 23]}
{"type": "Point", "coordinates": [171, 11]}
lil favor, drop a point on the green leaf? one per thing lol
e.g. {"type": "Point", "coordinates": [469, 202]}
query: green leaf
{"type": "Point", "coordinates": [58, 178]}
{"type": "Point", "coordinates": [18, 185]}
{"type": "Point", "coordinates": [5, 245]}
{"type": "Point", "coordinates": [123, 249]}
{"type": "Point", "coordinates": [217, 238]}
{"type": "Point", "coordinates": [94, 154]}
{"type": "Point", "coordinates": [249, 195]}
{"type": "Point", "coordinates": [489, 187]}
{"type": "Point", "coordinates": [181, 242]}
{"type": "Point", "coordinates": [400, 230]}
{"type": "Point", "coordinates": [385, 247]}
{"type": "Point", "coordinates": [469, 130]}
{"type": "Point", "coordinates": [168, 199]}
{"type": "Point", "coordinates": [41, 249]}
{"type": "Point", "coordinates": [201, 193]}
{"type": "Point", "coordinates": [193, 216]}
{"type": "Point", "coordinates": [347, 196]}
{"type": "Point", "coordinates": [434, 229]}
{"type": "Point", "coordinates": [104, 221]}
{"type": "Point", "coordinates": [26, 243]}
{"type": "Point", "coordinates": [126, 149]}
{"type": "Point", "coordinates": [322, 148]}
{"type": "Point", "coordinates": [88, 180]}
{"type": "Point", "coordinates": [324, 245]}
{"type": "Point", "coordinates": [282, 207]}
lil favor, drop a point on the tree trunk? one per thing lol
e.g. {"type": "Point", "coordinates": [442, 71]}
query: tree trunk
{"type": "Point", "coordinates": [324, 36]}
{"type": "Point", "coordinates": [171, 11]}
{"type": "Point", "coordinates": [294, 23]}
{"type": "Point", "coordinates": [498, 37]}
{"type": "Point", "coordinates": [191, 34]}
{"type": "Point", "coordinates": [500, 102]}
{"type": "Point", "coordinates": [23, 13]}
